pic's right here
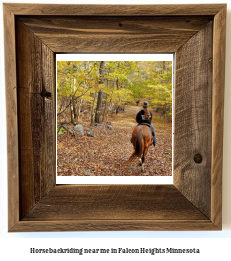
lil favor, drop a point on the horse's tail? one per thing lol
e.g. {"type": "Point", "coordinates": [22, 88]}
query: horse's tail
{"type": "Point", "coordinates": [132, 157]}
{"type": "Point", "coordinates": [139, 144]}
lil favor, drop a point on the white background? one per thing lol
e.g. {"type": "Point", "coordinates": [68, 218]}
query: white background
{"type": "Point", "coordinates": [212, 244]}
{"type": "Point", "coordinates": [114, 179]}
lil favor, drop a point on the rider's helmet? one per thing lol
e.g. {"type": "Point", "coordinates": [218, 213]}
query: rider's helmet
{"type": "Point", "coordinates": [145, 104]}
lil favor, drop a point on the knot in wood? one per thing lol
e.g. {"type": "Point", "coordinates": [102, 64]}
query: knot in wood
{"type": "Point", "coordinates": [45, 94]}
{"type": "Point", "coordinates": [198, 158]}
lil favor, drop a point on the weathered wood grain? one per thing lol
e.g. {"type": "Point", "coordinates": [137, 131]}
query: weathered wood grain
{"type": "Point", "coordinates": [114, 225]}
{"type": "Point", "coordinates": [113, 207]}
{"type": "Point", "coordinates": [36, 105]}
{"type": "Point", "coordinates": [48, 94]}
{"type": "Point", "coordinates": [115, 10]}
{"type": "Point", "coordinates": [115, 34]}
{"type": "Point", "coordinates": [12, 122]}
{"type": "Point", "coordinates": [197, 204]}
{"type": "Point", "coordinates": [100, 25]}
{"type": "Point", "coordinates": [193, 125]}
{"type": "Point", "coordinates": [27, 186]}
{"type": "Point", "coordinates": [108, 202]}
{"type": "Point", "coordinates": [218, 115]}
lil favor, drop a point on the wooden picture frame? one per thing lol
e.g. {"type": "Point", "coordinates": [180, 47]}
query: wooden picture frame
{"type": "Point", "coordinates": [33, 34]}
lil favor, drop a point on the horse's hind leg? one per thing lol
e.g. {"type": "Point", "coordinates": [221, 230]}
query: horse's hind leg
{"type": "Point", "coordinates": [143, 158]}
{"type": "Point", "coordinates": [142, 163]}
{"type": "Point", "coordinates": [142, 167]}
{"type": "Point", "coordinates": [140, 159]}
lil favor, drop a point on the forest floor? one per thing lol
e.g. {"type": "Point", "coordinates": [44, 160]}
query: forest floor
{"type": "Point", "coordinates": [106, 153]}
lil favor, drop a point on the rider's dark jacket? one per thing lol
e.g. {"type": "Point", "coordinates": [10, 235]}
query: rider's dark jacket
{"type": "Point", "coordinates": [140, 119]}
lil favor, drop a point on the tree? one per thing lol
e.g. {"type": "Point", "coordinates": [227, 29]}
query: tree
{"type": "Point", "coordinates": [107, 85]}
{"type": "Point", "coordinates": [100, 93]}
{"type": "Point", "coordinates": [75, 80]}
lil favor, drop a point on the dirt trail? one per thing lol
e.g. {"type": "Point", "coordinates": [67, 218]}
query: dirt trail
{"type": "Point", "coordinates": [106, 153]}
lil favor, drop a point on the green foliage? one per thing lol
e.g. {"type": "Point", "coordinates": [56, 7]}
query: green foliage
{"type": "Point", "coordinates": [153, 82]}
{"type": "Point", "coordinates": [60, 130]}
{"type": "Point", "coordinates": [124, 82]}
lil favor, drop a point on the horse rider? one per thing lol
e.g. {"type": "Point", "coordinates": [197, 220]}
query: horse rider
{"type": "Point", "coordinates": [145, 116]}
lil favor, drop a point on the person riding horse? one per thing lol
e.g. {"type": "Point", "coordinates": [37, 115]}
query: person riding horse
{"type": "Point", "coordinates": [145, 116]}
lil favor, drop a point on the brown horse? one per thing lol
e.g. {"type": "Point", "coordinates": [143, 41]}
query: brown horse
{"type": "Point", "coordinates": [141, 139]}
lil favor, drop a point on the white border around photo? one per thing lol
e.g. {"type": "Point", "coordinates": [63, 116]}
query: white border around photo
{"type": "Point", "coordinates": [115, 179]}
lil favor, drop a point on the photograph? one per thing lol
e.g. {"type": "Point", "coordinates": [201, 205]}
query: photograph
{"type": "Point", "coordinates": [114, 118]}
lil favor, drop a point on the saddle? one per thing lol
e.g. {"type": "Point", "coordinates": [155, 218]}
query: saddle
{"type": "Point", "coordinates": [143, 123]}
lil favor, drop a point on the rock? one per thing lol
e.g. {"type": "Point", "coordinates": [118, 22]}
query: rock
{"type": "Point", "coordinates": [79, 129]}
{"type": "Point", "coordinates": [109, 127]}
{"type": "Point", "coordinates": [90, 133]}
{"type": "Point", "coordinates": [88, 173]}
{"type": "Point", "coordinates": [131, 167]}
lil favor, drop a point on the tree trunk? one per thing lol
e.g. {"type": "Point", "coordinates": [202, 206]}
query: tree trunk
{"type": "Point", "coordinates": [100, 93]}
{"type": "Point", "coordinates": [164, 66]}
{"type": "Point", "coordinates": [74, 110]}
{"type": "Point", "coordinates": [105, 108]}
{"type": "Point", "coordinates": [109, 107]}
{"type": "Point", "coordinates": [98, 107]}
{"type": "Point", "coordinates": [77, 110]}
{"type": "Point", "coordinates": [93, 109]}
{"type": "Point", "coordinates": [72, 114]}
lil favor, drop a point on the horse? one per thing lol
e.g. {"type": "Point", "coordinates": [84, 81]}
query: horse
{"type": "Point", "coordinates": [141, 139]}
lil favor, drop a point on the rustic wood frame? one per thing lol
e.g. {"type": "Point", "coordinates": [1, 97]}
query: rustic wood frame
{"type": "Point", "coordinates": [33, 34]}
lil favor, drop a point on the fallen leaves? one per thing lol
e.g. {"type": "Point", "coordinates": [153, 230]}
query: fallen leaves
{"type": "Point", "coordinates": [107, 152]}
